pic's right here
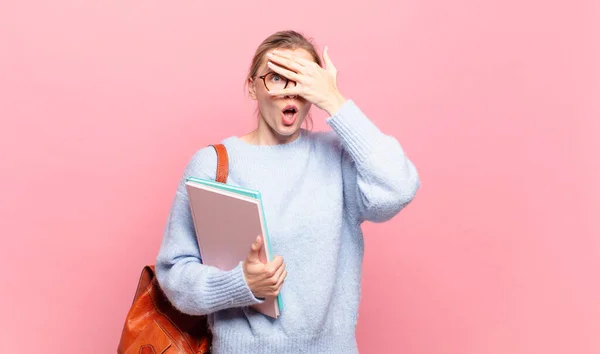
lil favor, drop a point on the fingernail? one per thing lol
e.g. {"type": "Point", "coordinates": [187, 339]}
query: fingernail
{"type": "Point", "coordinates": [269, 55]}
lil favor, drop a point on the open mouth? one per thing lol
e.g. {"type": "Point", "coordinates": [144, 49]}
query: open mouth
{"type": "Point", "coordinates": [289, 114]}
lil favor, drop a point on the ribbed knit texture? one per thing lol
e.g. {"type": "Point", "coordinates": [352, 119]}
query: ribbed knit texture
{"type": "Point", "coordinates": [316, 190]}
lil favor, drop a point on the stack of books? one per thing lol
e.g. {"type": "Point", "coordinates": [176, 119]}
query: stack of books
{"type": "Point", "coordinates": [227, 220]}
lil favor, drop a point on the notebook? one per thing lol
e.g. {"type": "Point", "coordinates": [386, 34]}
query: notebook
{"type": "Point", "coordinates": [227, 220]}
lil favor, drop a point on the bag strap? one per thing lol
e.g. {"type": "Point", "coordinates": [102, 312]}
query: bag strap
{"type": "Point", "coordinates": [148, 272]}
{"type": "Point", "coordinates": [222, 163]}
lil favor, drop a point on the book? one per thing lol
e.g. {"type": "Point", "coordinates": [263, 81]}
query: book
{"type": "Point", "coordinates": [227, 220]}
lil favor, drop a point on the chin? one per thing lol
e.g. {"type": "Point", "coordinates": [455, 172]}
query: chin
{"type": "Point", "coordinates": [287, 130]}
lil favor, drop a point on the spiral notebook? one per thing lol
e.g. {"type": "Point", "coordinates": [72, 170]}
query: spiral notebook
{"type": "Point", "coordinates": [227, 220]}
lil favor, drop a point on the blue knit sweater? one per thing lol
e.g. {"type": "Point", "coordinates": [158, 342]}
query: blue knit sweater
{"type": "Point", "coordinates": [316, 190]}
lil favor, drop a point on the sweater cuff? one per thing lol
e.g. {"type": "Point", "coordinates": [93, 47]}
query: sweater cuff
{"type": "Point", "coordinates": [226, 289]}
{"type": "Point", "coordinates": [358, 134]}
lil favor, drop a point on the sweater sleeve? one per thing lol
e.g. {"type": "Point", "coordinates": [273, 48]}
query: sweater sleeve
{"type": "Point", "coordinates": [379, 179]}
{"type": "Point", "coordinates": [192, 287]}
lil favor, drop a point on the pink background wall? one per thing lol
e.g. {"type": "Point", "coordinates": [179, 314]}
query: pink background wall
{"type": "Point", "coordinates": [103, 102]}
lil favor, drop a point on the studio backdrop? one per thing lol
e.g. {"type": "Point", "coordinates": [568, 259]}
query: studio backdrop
{"type": "Point", "coordinates": [102, 104]}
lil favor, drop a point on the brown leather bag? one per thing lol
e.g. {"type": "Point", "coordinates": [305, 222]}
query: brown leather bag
{"type": "Point", "coordinates": [153, 325]}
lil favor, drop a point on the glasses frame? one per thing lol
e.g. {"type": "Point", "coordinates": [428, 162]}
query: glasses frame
{"type": "Point", "coordinates": [287, 81]}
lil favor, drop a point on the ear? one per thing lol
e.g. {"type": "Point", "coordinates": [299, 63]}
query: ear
{"type": "Point", "coordinates": [251, 89]}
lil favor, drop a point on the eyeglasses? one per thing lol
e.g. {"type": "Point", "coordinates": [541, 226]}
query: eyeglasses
{"type": "Point", "coordinates": [274, 81]}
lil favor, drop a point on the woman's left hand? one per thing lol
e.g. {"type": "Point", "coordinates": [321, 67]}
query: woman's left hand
{"type": "Point", "coordinates": [316, 84]}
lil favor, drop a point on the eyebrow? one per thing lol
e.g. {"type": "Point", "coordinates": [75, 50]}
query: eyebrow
{"type": "Point", "coordinates": [268, 72]}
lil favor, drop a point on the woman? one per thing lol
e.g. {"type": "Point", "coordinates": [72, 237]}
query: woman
{"type": "Point", "coordinates": [317, 189]}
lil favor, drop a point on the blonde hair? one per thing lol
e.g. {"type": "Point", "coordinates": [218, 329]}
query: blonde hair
{"type": "Point", "coordinates": [282, 40]}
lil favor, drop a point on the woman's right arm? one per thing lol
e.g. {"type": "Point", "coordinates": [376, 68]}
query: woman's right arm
{"type": "Point", "coordinates": [192, 287]}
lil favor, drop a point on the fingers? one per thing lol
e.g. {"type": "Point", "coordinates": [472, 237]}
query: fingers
{"type": "Point", "coordinates": [274, 280]}
{"type": "Point", "coordinates": [277, 274]}
{"type": "Point", "coordinates": [287, 92]}
{"type": "Point", "coordinates": [274, 264]}
{"type": "Point", "coordinates": [281, 280]}
{"type": "Point", "coordinates": [328, 63]}
{"type": "Point", "coordinates": [277, 280]}
{"type": "Point", "coordinates": [268, 279]}
{"type": "Point", "coordinates": [274, 273]}
{"type": "Point", "coordinates": [291, 58]}
{"type": "Point", "coordinates": [253, 256]}
{"type": "Point", "coordinates": [287, 61]}
{"type": "Point", "coordinates": [284, 72]}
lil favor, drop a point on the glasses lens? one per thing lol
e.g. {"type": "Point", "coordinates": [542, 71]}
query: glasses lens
{"type": "Point", "coordinates": [275, 81]}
